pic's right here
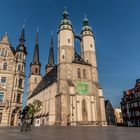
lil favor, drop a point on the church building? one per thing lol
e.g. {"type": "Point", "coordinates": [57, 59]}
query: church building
{"type": "Point", "coordinates": [69, 91]}
{"type": "Point", "coordinates": [12, 76]}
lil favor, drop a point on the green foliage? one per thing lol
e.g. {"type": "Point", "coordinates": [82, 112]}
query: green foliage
{"type": "Point", "coordinates": [34, 107]}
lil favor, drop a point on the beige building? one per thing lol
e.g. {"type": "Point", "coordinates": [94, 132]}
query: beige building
{"type": "Point", "coordinates": [12, 75]}
{"type": "Point", "coordinates": [70, 92]}
{"type": "Point", "coordinates": [118, 115]}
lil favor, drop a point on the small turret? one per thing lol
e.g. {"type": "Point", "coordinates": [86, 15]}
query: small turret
{"type": "Point", "coordinates": [21, 47]}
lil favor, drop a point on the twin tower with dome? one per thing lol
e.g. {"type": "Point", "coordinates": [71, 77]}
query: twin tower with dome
{"type": "Point", "coordinates": [69, 91]}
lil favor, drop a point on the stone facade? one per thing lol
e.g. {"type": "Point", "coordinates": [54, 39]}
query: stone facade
{"type": "Point", "coordinates": [12, 75]}
{"type": "Point", "coordinates": [118, 115]}
{"type": "Point", "coordinates": [70, 92]}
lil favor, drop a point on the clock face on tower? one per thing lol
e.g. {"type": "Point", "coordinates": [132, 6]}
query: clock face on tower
{"type": "Point", "coordinates": [82, 87]}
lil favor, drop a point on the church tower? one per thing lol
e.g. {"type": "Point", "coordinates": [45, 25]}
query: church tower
{"type": "Point", "coordinates": [35, 68]}
{"type": "Point", "coordinates": [65, 40]}
{"type": "Point", "coordinates": [50, 64]}
{"type": "Point", "coordinates": [64, 68]}
{"type": "Point", "coordinates": [20, 69]}
{"type": "Point", "coordinates": [89, 55]}
{"type": "Point", "coordinates": [88, 45]}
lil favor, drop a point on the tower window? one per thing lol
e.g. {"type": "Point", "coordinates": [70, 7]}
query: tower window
{"type": "Point", "coordinates": [3, 80]}
{"type": "Point", "coordinates": [91, 45]}
{"type": "Point", "coordinates": [20, 83]}
{"type": "Point", "coordinates": [5, 66]}
{"type": "Point", "coordinates": [36, 70]}
{"type": "Point", "coordinates": [68, 40]}
{"type": "Point", "coordinates": [18, 98]}
{"type": "Point", "coordinates": [63, 57]}
{"type": "Point", "coordinates": [1, 96]}
{"type": "Point", "coordinates": [35, 79]}
{"type": "Point", "coordinates": [79, 73]}
{"type": "Point", "coordinates": [84, 73]}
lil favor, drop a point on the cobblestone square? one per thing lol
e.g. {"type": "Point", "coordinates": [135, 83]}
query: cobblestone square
{"type": "Point", "coordinates": [71, 133]}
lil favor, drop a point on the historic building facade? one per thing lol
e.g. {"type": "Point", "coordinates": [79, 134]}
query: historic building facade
{"type": "Point", "coordinates": [130, 105]}
{"type": "Point", "coordinates": [70, 92]}
{"type": "Point", "coordinates": [118, 115]}
{"type": "Point", "coordinates": [12, 75]}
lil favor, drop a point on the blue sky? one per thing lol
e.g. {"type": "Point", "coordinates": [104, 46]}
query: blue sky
{"type": "Point", "coordinates": [115, 23]}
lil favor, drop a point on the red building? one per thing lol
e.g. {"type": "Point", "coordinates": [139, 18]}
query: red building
{"type": "Point", "coordinates": [130, 105]}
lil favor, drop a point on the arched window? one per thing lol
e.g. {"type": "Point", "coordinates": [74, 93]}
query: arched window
{"type": "Point", "coordinates": [84, 73]}
{"type": "Point", "coordinates": [5, 66]}
{"type": "Point", "coordinates": [84, 111]}
{"type": "Point", "coordinates": [19, 67]}
{"type": "Point", "coordinates": [79, 73]}
{"type": "Point", "coordinates": [36, 70]}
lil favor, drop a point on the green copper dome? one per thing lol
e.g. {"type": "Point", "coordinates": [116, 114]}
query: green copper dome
{"type": "Point", "coordinates": [86, 26]}
{"type": "Point", "coordinates": [65, 20]}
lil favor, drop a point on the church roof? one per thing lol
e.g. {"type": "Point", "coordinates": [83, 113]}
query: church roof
{"type": "Point", "coordinates": [65, 20]}
{"type": "Point", "coordinates": [86, 26]}
{"type": "Point", "coordinates": [78, 59]}
{"type": "Point", "coordinates": [47, 80]}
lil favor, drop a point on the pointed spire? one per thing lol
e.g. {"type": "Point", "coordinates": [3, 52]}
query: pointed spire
{"type": "Point", "coordinates": [65, 14]}
{"type": "Point", "coordinates": [22, 36]}
{"type": "Point", "coordinates": [21, 47]}
{"type": "Point", "coordinates": [85, 21]}
{"type": "Point", "coordinates": [36, 51]}
{"type": "Point", "coordinates": [51, 53]}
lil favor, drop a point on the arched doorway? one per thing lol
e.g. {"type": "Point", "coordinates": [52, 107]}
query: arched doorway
{"type": "Point", "coordinates": [15, 116]}
{"type": "Point", "coordinates": [84, 111]}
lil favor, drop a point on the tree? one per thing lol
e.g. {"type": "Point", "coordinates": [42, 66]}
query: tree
{"type": "Point", "coordinates": [34, 107]}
